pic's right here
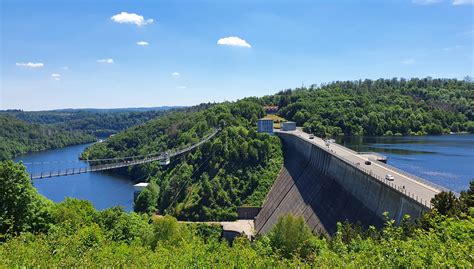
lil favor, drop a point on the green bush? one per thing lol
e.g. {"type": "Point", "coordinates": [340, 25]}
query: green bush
{"type": "Point", "coordinates": [291, 236]}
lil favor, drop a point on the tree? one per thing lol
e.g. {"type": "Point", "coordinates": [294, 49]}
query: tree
{"type": "Point", "coordinates": [291, 236]}
{"type": "Point", "coordinates": [467, 199]}
{"type": "Point", "coordinates": [146, 201]}
{"type": "Point", "coordinates": [446, 203]}
{"type": "Point", "coordinates": [21, 207]}
{"type": "Point", "coordinates": [74, 213]}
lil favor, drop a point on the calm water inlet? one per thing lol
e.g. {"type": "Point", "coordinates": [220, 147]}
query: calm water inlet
{"type": "Point", "coordinates": [101, 189]}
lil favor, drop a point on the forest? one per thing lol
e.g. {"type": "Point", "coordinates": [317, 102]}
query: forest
{"type": "Point", "coordinates": [236, 168]}
{"type": "Point", "coordinates": [18, 137]}
{"type": "Point", "coordinates": [380, 107]}
{"type": "Point", "coordinates": [31, 131]}
{"type": "Point", "coordinates": [97, 122]}
{"type": "Point", "coordinates": [35, 232]}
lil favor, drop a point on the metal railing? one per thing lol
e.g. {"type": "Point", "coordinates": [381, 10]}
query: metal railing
{"type": "Point", "coordinates": [416, 178]}
{"type": "Point", "coordinates": [381, 156]}
{"type": "Point", "coordinates": [388, 183]}
{"type": "Point", "coordinates": [121, 161]}
{"type": "Point", "coordinates": [399, 189]}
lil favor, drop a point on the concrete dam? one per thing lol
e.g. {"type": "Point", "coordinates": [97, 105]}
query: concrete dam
{"type": "Point", "coordinates": [327, 184]}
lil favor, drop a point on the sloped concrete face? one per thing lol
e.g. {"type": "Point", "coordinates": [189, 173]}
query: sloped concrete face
{"type": "Point", "coordinates": [325, 190]}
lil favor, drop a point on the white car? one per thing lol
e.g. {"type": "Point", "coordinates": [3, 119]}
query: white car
{"type": "Point", "coordinates": [389, 177]}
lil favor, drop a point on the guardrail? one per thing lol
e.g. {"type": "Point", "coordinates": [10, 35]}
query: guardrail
{"type": "Point", "coordinates": [390, 184]}
{"type": "Point", "coordinates": [416, 178]}
{"type": "Point", "coordinates": [381, 156]}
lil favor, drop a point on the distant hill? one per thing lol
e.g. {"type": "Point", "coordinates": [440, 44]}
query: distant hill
{"type": "Point", "coordinates": [99, 122]}
{"type": "Point", "coordinates": [117, 110]}
{"type": "Point", "coordinates": [18, 137]}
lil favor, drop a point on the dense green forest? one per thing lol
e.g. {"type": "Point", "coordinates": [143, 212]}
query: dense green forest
{"type": "Point", "coordinates": [238, 166]}
{"type": "Point", "coordinates": [19, 137]}
{"type": "Point", "coordinates": [380, 107]}
{"type": "Point", "coordinates": [34, 232]}
{"type": "Point", "coordinates": [96, 122]}
{"type": "Point", "coordinates": [235, 168]}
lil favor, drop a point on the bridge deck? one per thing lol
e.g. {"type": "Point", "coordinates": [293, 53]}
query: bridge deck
{"type": "Point", "coordinates": [414, 187]}
{"type": "Point", "coordinates": [121, 161]}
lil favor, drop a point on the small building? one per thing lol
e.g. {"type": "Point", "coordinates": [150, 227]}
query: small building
{"type": "Point", "coordinates": [265, 125]}
{"type": "Point", "coordinates": [288, 126]}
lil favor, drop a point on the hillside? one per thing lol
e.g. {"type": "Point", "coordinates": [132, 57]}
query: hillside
{"type": "Point", "coordinates": [98, 122]}
{"type": "Point", "coordinates": [239, 166]}
{"type": "Point", "coordinates": [380, 107]}
{"type": "Point", "coordinates": [235, 168]}
{"type": "Point", "coordinates": [19, 137]}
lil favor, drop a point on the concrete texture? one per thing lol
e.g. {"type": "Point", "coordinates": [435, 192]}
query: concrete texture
{"type": "Point", "coordinates": [325, 189]}
{"type": "Point", "coordinates": [231, 229]}
{"type": "Point", "coordinates": [247, 212]}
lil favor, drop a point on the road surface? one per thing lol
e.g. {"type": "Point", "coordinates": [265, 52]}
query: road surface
{"type": "Point", "coordinates": [421, 191]}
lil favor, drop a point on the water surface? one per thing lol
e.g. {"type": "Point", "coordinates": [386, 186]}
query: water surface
{"type": "Point", "coordinates": [447, 160]}
{"type": "Point", "coordinates": [102, 189]}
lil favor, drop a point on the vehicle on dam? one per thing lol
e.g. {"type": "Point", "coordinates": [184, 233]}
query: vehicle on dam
{"type": "Point", "coordinates": [389, 177]}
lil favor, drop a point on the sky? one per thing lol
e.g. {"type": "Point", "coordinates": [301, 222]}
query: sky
{"type": "Point", "coordinates": [111, 54]}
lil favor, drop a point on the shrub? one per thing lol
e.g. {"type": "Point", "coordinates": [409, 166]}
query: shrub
{"type": "Point", "coordinates": [291, 236]}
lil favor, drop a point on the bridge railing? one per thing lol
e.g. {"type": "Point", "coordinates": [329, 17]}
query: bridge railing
{"type": "Point", "coordinates": [117, 162]}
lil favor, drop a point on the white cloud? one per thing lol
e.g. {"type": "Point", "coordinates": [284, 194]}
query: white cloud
{"type": "Point", "coordinates": [56, 76]}
{"type": "Point", "coordinates": [233, 41]}
{"type": "Point", "coordinates": [142, 43]}
{"type": "Point", "coordinates": [175, 74]}
{"type": "Point", "coordinates": [408, 61]}
{"type": "Point", "coordinates": [181, 87]}
{"type": "Point", "coordinates": [30, 65]}
{"type": "Point", "coordinates": [425, 2]}
{"type": "Point", "coordinates": [125, 17]}
{"type": "Point", "coordinates": [463, 2]}
{"type": "Point", "coordinates": [106, 61]}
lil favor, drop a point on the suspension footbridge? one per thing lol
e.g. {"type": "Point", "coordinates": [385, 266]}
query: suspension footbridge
{"type": "Point", "coordinates": [87, 166]}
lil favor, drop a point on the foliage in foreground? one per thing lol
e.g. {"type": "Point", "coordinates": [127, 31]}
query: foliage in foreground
{"type": "Point", "coordinates": [75, 234]}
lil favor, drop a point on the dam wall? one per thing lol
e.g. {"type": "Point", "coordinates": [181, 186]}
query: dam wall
{"type": "Point", "coordinates": [326, 189]}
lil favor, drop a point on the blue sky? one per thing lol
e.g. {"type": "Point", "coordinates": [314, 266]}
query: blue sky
{"type": "Point", "coordinates": [77, 54]}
